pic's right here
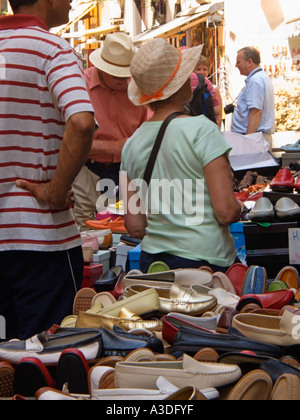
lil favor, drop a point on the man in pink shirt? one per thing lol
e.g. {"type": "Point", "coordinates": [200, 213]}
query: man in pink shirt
{"type": "Point", "coordinates": [117, 118]}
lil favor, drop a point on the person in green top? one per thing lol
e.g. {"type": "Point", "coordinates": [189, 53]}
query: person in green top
{"type": "Point", "coordinates": [185, 219]}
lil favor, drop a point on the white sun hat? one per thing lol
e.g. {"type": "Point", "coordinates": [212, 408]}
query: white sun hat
{"type": "Point", "coordinates": [115, 56]}
{"type": "Point", "coordinates": [159, 70]}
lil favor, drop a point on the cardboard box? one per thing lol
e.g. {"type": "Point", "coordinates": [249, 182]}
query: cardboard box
{"type": "Point", "coordinates": [122, 255]}
{"type": "Point", "coordinates": [91, 273]}
{"type": "Point", "coordinates": [102, 257]}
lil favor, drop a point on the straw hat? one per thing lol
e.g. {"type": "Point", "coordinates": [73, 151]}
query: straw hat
{"type": "Point", "coordinates": [159, 70]}
{"type": "Point", "coordinates": [115, 56]}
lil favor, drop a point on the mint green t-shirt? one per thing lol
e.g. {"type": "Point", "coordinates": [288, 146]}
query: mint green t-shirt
{"type": "Point", "coordinates": [181, 219]}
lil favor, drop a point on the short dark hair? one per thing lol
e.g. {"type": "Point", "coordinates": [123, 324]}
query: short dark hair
{"type": "Point", "coordinates": [251, 53]}
{"type": "Point", "coordinates": [15, 4]}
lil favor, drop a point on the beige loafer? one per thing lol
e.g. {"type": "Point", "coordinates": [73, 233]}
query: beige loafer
{"type": "Point", "coordinates": [188, 372]}
{"type": "Point", "coordinates": [279, 331]}
{"type": "Point", "coordinates": [221, 281]}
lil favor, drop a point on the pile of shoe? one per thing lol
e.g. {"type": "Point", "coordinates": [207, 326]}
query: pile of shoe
{"type": "Point", "coordinates": [286, 208]}
{"type": "Point", "coordinates": [112, 219]}
{"type": "Point", "coordinates": [284, 181]}
{"type": "Point", "coordinates": [180, 334]}
{"type": "Point", "coordinates": [251, 187]}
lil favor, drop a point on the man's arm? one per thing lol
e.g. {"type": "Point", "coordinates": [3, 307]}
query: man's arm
{"type": "Point", "coordinates": [254, 120]}
{"type": "Point", "coordinates": [105, 147]}
{"type": "Point", "coordinates": [73, 154]}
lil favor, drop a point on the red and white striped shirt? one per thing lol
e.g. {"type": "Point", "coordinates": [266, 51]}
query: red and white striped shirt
{"type": "Point", "coordinates": [41, 86]}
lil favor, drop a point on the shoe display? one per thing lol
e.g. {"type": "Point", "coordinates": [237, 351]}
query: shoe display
{"type": "Point", "coordinates": [184, 334]}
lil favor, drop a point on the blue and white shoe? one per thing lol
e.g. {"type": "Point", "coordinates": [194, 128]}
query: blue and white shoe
{"type": "Point", "coordinates": [255, 281]}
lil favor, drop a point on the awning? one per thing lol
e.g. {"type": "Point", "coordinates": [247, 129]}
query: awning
{"type": "Point", "coordinates": [76, 14]}
{"type": "Point", "coordinates": [179, 24]}
{"type": "Point", "coordinates": [101, 30]}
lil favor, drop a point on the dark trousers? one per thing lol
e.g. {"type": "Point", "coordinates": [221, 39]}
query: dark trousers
{"type": "Point", "coordinates": [174, 262]}
{"type": "Point", "coordinates": [105, 171]}
{"type": "Point", "coordinates": [37, 289]}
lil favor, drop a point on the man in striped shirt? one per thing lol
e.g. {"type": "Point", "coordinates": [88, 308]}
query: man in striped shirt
{"type": "Point", "coordinates": [46, 131]}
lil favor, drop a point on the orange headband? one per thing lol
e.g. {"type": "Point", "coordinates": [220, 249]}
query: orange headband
{"type": "Point", "coordinates": [159, 94]}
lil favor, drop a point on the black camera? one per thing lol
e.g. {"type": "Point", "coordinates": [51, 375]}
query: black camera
{"type": "Point", "coordinates": [229, 109]}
